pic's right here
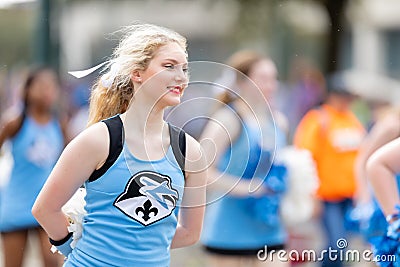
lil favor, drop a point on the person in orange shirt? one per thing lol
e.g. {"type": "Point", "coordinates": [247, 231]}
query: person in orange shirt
{"type": "Point", "coordinates": [333, 134]}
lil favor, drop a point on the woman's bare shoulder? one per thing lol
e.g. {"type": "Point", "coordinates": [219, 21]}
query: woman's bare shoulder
{"type": "Point", "coordinates": [94, 139]}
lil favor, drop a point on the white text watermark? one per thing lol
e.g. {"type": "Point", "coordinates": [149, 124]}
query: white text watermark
{"type": "Point", "coordinates": [333, 254]}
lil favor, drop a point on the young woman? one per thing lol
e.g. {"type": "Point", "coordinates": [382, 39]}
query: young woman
{"type": "Point", "coordinates": [128, 162]}
{"type": "Point", "coordinates": [382, 168]}
{"type": "Point", "coordinates": [374, 225]}
{"type": "Point", "coordinates": [385, 129]}
{"type": "Point", "coordinates": [36, 139]}
{"type": "Point", "coordinates": [240, 225]}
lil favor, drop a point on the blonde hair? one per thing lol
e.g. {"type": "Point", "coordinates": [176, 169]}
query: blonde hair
{"type": "Point", "coordinates": [134, 52]}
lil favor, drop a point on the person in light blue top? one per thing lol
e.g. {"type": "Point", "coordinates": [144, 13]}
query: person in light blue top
{"type": "Point", "coordinates": [36, 139]}
{"type": "Point", "coordinates": [144, 178]}
{"type": "Point", "coordinates": [242, 218]}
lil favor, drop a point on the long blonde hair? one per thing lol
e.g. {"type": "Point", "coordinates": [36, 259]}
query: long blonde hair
{"type": "Point", "coordinates": [134, 52]}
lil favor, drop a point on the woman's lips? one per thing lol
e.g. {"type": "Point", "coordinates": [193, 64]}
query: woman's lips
{"type": "Point", "coordinates": [175, 89]}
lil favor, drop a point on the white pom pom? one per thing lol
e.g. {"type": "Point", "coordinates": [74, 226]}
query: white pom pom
{"type": "Point", "coordinates": [75, 210]}
{"type": "Point", "coordinates": [297, 204]}
{"type": "Point", "coordinates": [6, 163]}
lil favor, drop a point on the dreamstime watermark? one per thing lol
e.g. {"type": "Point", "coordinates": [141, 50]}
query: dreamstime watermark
{"type": "Point", "coordinates": [340, 253]}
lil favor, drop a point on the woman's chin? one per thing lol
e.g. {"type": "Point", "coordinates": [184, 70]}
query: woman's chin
{"type": "Point", "coordinates": [171, 100]}
{"type": "Point", "coordinates": [166, 104]}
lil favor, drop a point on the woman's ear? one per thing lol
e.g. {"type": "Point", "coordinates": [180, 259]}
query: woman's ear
{"type": "Point", "coordinates": [136, 77]}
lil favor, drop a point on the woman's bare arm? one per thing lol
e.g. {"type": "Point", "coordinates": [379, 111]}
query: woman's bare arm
{"type": "Point", "coordinates": [8, 129]}
{"type": "Point", "coordinates": [382, 167]}
{"type": "Point", "coordinates": [79, 159]}
{"type": "Point", "coordinates": [383, 132]}
{"type": "Point", "coordinates": [221, 132]}
{"type": "Point", "coordinates": [194, 198]}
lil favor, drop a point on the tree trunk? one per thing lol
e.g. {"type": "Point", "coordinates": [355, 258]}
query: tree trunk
{"type": "Point", "coordinates": [335, 10]}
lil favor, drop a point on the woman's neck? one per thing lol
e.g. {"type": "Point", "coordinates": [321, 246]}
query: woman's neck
{"type": "Point", "coordinates": [140, 119]}
{"type": "Point", "coordinates": [39, 115]}
{"type": "Point", "coordinates": [146, 134]}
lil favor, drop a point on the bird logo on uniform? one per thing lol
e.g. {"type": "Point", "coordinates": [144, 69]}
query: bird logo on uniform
{"type": "Point", "coordinates": [148, 197]}
{"type": "Point", "coordinates": [157, 191]}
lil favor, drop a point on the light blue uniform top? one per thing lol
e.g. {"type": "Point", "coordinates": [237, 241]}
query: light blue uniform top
{"type": "Point", "coordinates": [132, 213]}
{"type": "Point", "coordinates": [229, 221]}
{"type": "Point", "coordinates": [35, 150]}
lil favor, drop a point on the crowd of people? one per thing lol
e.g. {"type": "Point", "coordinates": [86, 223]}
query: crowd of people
{"type": "Point", "coordinates": [149, 184]}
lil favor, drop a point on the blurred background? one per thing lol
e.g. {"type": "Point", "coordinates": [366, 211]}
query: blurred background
{"type": "Point", "coordinates": [306, 38]}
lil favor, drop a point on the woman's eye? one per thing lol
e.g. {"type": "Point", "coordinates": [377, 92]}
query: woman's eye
{"type": "Point", "coordinates": [169, 66]}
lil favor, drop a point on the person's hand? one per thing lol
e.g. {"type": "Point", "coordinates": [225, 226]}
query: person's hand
{"type": "Point", "coordinates": [257, 188]}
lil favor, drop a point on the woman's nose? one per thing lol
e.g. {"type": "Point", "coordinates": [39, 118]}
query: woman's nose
{"type": "Point", "coordinates": [181, 75]}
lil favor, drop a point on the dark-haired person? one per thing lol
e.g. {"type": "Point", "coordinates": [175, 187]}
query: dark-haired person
{"type": "Point", "coordinates": [37, 139]}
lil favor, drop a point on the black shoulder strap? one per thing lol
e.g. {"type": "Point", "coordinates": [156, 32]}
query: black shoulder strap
{"type": "Point", "coordinates": [178, 143]}
{"type": "Point", "coordinates": [115, 131]}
